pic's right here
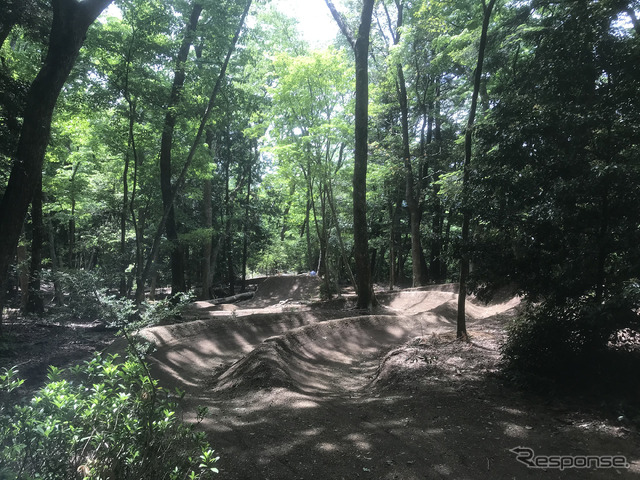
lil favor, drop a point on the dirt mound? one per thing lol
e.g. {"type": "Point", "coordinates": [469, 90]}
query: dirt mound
{"type": "Point", "coordinates": [266, 366]}
{"type": "Point", "coordinates": [195, 309]}
{"type": "Point", "coordinates": [284, 289]}
{"type": "Point", "coordinates": [317, 350]}
{"type": "Point", "coordinates": [437, 358]}
{"type": "Point", "coordinates": [345, 354]}
{"type": "Point", "coordinates": [185, 352]}
{"type": "Point", "coordinates": [329, 357]}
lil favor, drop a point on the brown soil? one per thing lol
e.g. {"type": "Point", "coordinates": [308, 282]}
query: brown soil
{"type": "Point", "coordinates": [31, 345]}
{"type": "Point", "coordinates": [301, 389]}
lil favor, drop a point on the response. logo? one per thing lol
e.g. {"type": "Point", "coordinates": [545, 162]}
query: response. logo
{"type": "Point", "coordinates": [527, 456]}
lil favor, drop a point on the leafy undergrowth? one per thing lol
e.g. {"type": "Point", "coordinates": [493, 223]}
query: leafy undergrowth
{"type": "Point", "coordinates": [577, 349]}
{"type": "Point", "coordinates": [106, 418]}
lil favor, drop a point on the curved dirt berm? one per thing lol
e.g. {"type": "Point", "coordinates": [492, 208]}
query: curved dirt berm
{"type": "Point", "coordinates": [186, 353]}
{"type": "Point", "coordinates": [443, 301]}
{"type": "Point", "coordinates": [334, 356]}
{"type": "Point", "coordinates": [284, 289]}
{"type": "Point", "coordinates": [306, 350]}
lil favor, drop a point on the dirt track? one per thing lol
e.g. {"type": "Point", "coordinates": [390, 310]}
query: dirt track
{"type": "Point", "coordinates": [297, 391]}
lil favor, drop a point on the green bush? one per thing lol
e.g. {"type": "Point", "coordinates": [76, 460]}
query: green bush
{"type": "Point", "coordinates": [165, 311]}
{"type": "Point", "coordinates": [104, 419]}
{"type": "Point", "coordinates": [86, 299]}
{"type": "Point", "coordinates": [569, 342]}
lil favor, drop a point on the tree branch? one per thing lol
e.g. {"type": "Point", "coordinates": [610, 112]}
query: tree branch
{"type": "Point", "coordinates": [90, 9]}
{"type": "Point", "coordinates": [342, 24]}
{"type": "Point", "coordinates": [395, 35]}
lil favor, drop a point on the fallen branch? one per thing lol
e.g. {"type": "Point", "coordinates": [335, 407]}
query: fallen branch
{"type": "Point", "coordinates": [232, 299]}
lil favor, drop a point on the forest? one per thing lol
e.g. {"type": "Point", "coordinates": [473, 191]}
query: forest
{"type": "Point", "coordinates": [158, 153]}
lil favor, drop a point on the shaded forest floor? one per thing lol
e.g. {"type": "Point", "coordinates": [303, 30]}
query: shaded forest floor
{"type": "Point", "coordinates": [300, 389]}
{"type": "Point", "coordinates": [32, 344]}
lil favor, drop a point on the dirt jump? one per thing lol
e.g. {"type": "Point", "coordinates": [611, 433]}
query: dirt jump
{"type": "Point", "coordinates": [300, 389]}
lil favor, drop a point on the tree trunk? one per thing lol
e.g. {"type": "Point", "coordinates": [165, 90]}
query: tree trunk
{"type": "Point", "coordinates": [415, 213]}
{"type": "Point", "coordinates": [245, 227]}
{"type": "Point", "coordinates": [437, 133]}
{"type": "Point", "coordinates": [461, 331]}
{"type": "Point", "coordinates": [439, 241]}
{"type": "Point", "coordinates": [125, 283]}
{"type": "Point", "coordinates": [207, 248]}
{"type": "Point", "coordinates": [72, 219]}
{"type": "Point", "coordinates": [343, 251]}
{"type": "Point", "coordinates": [227, 214]}
{"type": "Point", "coordinates": [207, 208]}
{"type": "Point", "coordinates": [23, 275]}
{"type": "Point", "coordinates": [138, 225]}
{"type": "Point", "coordinates": [366, 298]}
{"type": "Point", "coordinates": [35, 303]}
{"type": "Point", "coordinates": [287, 209]}
{"type": "Point", "coordinates": [58, 295]}
{"type": "Point", "coordinates": [445, 244]}
{"type": "Point", "coordinates": [412, 193]}
{"type": "Point", "coordinates": [435, 260]}
{"type": "Point", "coordinates": [321, 266]}
{"type": "Point", "coordinates": [71, 19]}
{"type": "Point", "coordinates": [323, 235]}
{"type": "Point", "coordinates": [360, 46]}
{"type": "Point", "coordinates": [214, 258]}
{"type": "Point", "coordinates": [177, 251]}
{"type": "Point", "coordinates": [123, 224]}
{"type": "Point", "coordinates": [233, 298]}
{"type": "Point", "coordinates": [307, 232]}
{"type": "Point", "coordinates": [392, 245]}
{"type": "Point", "coordinates": [153, 283]}
{"type": "Point", "coordinates": [602, 248]}
{"type": "Point", "coordinates": [231, 279]}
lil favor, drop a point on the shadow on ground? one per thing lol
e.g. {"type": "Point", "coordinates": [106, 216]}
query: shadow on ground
{"type": "Point", "coordinates": [301, 393]}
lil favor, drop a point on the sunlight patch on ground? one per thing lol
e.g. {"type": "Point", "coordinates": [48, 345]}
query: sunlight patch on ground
{"type": "Point", "coordinates": [304, 404]}
{"type": "Point", "coordinates": [359, 441]}
{"type": "Point", "coordinates": [515, 431]}
{"type": "Point", "coordinates": [512, 411]}
{"type": "Point", "coordinates": [326, 447]}
{"type": "Point", "coordinates": [443, 469]}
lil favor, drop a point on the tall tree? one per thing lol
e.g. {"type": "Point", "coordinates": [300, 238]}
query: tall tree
{"type": "Point", "coordinates": [177, 251]}
{"type": "Point", "coordinates": [557, 170]}
{"type": "Point", "coordinates": [412, 191]}
{"type": "Point", "coordinates": [461, 324]}
{"type": "Point", "coordinates": [207, 210]}
{"type": "Point", "coordinates": [360, 46]}
{"type": "Point", "coordinates": [71, 19]}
